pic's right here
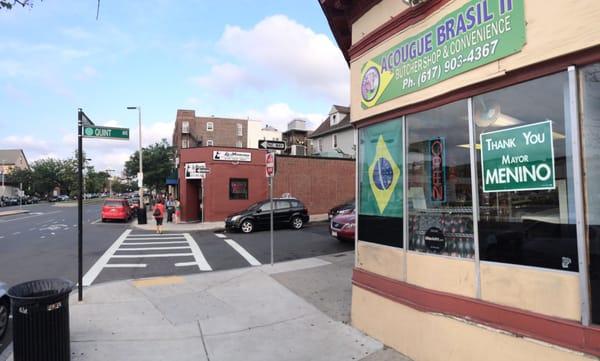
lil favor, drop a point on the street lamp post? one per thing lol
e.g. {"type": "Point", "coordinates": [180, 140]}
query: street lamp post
{"type": "Point", "coordinates": [110, 181]}
{"type": "Point", "coordinates": [141, 172]}
{"type": "Point", "coordinates": [3, 171]}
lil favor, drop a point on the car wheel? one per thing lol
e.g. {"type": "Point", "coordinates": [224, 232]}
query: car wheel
{"type": "Point", "coordinates": [297, 222]}
{"type": "Point", "coordinates": [4, 312]}
{"type": "Point", "coordinates": [247, 226]}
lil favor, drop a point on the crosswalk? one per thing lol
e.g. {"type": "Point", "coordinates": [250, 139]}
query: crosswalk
{"type": "Point", "coordinates": [142, 250]}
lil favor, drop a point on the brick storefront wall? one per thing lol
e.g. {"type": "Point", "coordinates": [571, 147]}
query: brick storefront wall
{"type": "Point", "coordinates": [320, 183]}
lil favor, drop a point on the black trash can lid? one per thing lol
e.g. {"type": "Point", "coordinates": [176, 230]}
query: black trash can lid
{"type": "Point", "coordinates": [40, 290]}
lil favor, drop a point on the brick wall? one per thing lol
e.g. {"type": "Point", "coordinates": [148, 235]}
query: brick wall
{"type": "Point", "coordinates": [320, 183]}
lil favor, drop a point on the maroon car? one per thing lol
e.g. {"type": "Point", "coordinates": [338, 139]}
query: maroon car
{"type": "Point", "coordinates": [343, 226]}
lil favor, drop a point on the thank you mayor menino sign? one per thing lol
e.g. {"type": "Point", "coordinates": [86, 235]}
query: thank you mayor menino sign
{"type": "Point", "coordinates": [474, 35]}
{"type": "Point", "coordinates": [518, 159]}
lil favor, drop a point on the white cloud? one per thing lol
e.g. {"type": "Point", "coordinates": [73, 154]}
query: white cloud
{"type": "Point", "coordinates": [224, 79]}
{"type": "Point", "coordinates": [282, 50]}
{"type": "Point", "coordinates": [87, 72]}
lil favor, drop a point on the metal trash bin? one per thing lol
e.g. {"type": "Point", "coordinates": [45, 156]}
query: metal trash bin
{"type": "Point", "coordinates": [40, 312]}
{"type": "Point", "coordinates": [141, 215]}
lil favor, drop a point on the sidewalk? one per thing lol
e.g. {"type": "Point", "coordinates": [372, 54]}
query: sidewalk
{"type": "Point", "coordinates": [197, 226]}
{"type": "Point", "coordinates": [257, 313]}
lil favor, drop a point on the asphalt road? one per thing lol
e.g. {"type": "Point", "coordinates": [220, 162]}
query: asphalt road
{"type": "Point", "coordinates": [43, 244]}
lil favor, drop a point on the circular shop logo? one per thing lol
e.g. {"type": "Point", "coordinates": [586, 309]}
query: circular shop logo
{"type": "Point", "coordinates": [383, 174]}
{"type": "Point", "coordinates": [89, 131]}
{"type": "Point", "coordinates": [370, 84]}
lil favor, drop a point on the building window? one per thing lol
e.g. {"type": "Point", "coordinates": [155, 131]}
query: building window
{"type": "Point", "coordinates": [380, 216]}
{"type": "Point", "coordinates": [590, 109]}
{"type": "Point", "coordinates": [440, 213]}
{"type": "Point", "coordinates": [238, 144]}
{"type": "Point", "coordinates": [238, 188]}
{"type": "Point", "coordinates": [526, 195]}
{"type": "Point", "coordinates": [185, 143]}
{"type": "Point", "coordinates": [240, 130]}
{"type": "Point", "coordinates": [334, 141]}
{"type": "Point", "coordinates": [209, 143]}
{"type": "Point", "coordinates": [185, 127]}
{"type": "Point", "coordinates": [210, 127]}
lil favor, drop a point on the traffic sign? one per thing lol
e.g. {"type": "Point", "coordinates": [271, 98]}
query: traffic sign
{"type": "Point", "coordinates": [271, 144]}
{"type": "Point", "coordinates": [94, 131]}
{"type": "Point", "coordinates": [270, 164]}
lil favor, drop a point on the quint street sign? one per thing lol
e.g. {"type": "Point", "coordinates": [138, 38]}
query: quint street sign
{"type": "Point", "coordinates": [94, 131]}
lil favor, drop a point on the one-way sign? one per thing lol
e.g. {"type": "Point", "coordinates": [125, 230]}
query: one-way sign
{"type": "Point", "coordinates": [271, 144]}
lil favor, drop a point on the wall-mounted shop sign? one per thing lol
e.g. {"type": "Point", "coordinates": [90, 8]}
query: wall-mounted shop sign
{"type": "Point", "coordinates": [232, 156]}
{"type": "Point", "coordinates": [437, 169]}
{"type": "Point", "coordinates": [476, 34]}
{"type": "Point", "coordinates": [518, 159]}
{"type": "Point", "coordinates": [196, 170]}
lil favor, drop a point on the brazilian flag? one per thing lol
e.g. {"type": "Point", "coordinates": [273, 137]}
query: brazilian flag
{"type": "Point", "coordinates": [381, 169]}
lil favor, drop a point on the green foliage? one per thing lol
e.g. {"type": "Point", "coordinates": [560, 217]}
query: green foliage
{"type": "Point", "coordinates": [157, 164]}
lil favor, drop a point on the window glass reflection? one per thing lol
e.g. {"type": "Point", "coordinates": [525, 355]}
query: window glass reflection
{"type": "Point", "coordinates": [535, 226]}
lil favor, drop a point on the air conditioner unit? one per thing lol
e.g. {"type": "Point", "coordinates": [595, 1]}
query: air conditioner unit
{"type": "Point", "coordinates": [298, 150]}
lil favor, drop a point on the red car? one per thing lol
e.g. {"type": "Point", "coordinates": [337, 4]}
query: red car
{"type": "Point", "coordinates": [343, 226]}
{"type": "Point", "coordinates": [116, 209]}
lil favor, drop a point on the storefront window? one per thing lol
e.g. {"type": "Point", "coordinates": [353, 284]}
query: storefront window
{"type": "Point", "coordinates": [590, 110]}
{"type": "Point", "coordinates": [526, 203]}
{"type": "Point", "coordinates": [439, 181]}
{"type": "Point", "coordinates": [381, 183]}
{"type": "Point", "coordinates": [238, 188]}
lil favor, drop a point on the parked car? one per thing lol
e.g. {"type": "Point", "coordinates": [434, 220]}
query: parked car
{"type": "Point", "coordinates": [343, 226]}
{"type": "Point", "coordinates": [344, 208]}
{"type": "Point", "coordinates": [115, 209]}
{"type": "Point", "coordinates": [63, 197]}
{"type": "Point", "coordinates": [288, 212]}
{"type": "Point", "coordinates": [52, 199]}
{"type": "Point", "coordinates": [4, 309]}
{"type": "Point", "coordinates": [12, 201]}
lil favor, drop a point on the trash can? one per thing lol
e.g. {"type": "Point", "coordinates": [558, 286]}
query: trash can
{"type": "Point", "coordinates": [141, 216]}
{"type": "Point", "coordinates": [40, 312]}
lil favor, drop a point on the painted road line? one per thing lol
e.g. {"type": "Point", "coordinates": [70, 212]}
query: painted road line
{"type": "Point", "coordinates": [151, 243]}
{"type": "Point", "coordinates": [152, 248]}
{"type": "Point", "coordinates": [160, 255]}
{"type": "Point", "coordinates": [94, 271]}
{"type": "Point", "coordinates": [198, 256]}
{"type": "Point", "coordinates": [247, 256]}
{"type": "Point", "coordinates": [220, 235]}
{"type": "Point", "coordinates": [155, 235]}
{"type": "Point", "coordinates": [151, 239]}
{"type": "Point", "coordinates": [96, 221]}
{"type": "Point", "coordinates": [186, 264]}
{"type": "Point", "coordinates": [126, 265]}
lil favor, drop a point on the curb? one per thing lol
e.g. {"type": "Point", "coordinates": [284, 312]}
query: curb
{"type": "Point", "coordinates": [12, 213]}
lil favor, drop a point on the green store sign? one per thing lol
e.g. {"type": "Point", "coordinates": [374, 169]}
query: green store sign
{"type": "Point", "coordinates": [478, 33]}
{"type": "Point", "coordinates": [518, 159]}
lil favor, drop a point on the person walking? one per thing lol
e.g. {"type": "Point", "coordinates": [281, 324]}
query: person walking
{"type": "Point", "coordinates": [159, 213]}
{"type": "Point", "coordinates": [170, 209]}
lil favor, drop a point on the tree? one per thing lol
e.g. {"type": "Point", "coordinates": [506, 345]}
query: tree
{"type": "Point", "coordinates": [8, 4]}
{"type": "Point", "coordinates": [157, 164]}
{"type": "Point", "coordinates": [23, 177]}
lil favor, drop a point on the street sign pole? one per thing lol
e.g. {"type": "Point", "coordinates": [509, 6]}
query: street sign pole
{"type": "Point", "coordinates": [80, 204]}
{"type": "Point", "coordinates": [271, 198]}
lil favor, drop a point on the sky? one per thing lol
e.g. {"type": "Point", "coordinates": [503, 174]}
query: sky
{"type": "Point", "coordinates": [271, 60]}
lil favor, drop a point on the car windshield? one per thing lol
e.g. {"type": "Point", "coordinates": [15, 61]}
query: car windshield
{"type": "Point", "coordinates": [254, 206]}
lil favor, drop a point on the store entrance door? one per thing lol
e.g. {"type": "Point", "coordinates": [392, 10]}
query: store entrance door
{"type": "Point", "coordinates": [200, 201]}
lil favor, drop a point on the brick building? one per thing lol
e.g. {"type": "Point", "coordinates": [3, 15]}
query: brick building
{"type": "Point", "coordinates": [192, 131]}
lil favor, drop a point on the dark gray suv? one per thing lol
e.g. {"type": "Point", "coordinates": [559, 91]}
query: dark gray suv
{"type": "Point", "coordinates": [288, 212]}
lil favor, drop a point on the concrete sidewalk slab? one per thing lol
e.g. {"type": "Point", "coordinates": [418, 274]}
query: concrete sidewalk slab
{"type": "Point", "coordinates": [13, 212]}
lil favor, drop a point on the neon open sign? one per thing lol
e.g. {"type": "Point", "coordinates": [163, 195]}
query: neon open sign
{"type": "Point", "coordinates": [437, 169]}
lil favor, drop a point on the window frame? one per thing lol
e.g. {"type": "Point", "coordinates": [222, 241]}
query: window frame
{"type": "Point", "coordinates": [210, 126]}
{"type": "Point", "coordinates": [210, 143]}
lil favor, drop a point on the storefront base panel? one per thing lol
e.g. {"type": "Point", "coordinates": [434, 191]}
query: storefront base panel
{"type": "Point", "coordinates": [380, 259]}
{"type": "Point", "coordinates": [440, 273]}
{"type": "Point", "coordinates": [547, 292]}
{"type": "Point", "coordinates": [426, 336]}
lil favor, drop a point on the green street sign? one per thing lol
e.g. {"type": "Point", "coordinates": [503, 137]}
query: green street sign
{"type": "Point", "coordinates": [478, 33]}
{"type": "Point", "coordinates": [105, 132]}
{"type": "Point", "coordinates": [518, 159]}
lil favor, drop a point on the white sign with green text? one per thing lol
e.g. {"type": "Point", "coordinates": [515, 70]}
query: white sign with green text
{"type": "Point", "coordinates": [518, 159]}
